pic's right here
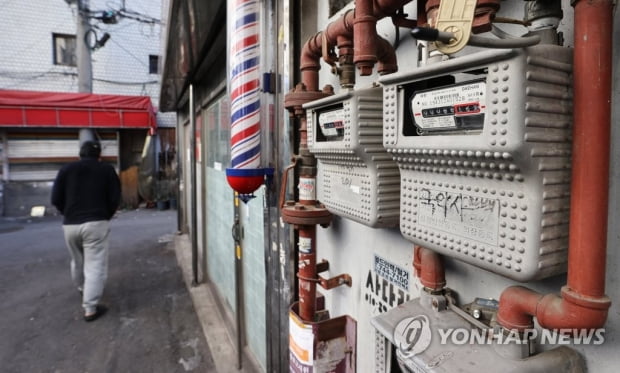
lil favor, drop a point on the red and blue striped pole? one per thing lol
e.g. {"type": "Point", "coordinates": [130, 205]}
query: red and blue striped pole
{"type": "Point", "coordinates": [245, 85]}
{"type": "Point", "coordinates": [245, 175]}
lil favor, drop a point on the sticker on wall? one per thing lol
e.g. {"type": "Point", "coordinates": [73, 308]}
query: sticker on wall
{"type": "Point", "coordinates": [392, 272]}
{"type": "Point", "coordinates": [387, 285]}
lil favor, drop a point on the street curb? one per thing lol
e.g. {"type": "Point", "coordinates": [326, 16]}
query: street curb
{"type": "Point", "coordinates": [218, 338]}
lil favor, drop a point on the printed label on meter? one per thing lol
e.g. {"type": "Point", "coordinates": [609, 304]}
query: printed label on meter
{"type": "Point", "coordinates": [332, 123]}
{"type": "Point", "coordinates": [457, 107]}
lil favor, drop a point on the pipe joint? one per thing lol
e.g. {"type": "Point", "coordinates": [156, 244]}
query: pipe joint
{"type": "Point", "coordinates": [429, 268]}
{"type": "Point", "coordinates": [518, 306]}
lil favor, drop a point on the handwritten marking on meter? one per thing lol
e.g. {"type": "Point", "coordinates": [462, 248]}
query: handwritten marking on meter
{"type": "Point", "coordinates": [472, 217]}
{"type": "Point", "coordinates": [332, 123]}
{"type": "Point", "coordinates": [457, 107]}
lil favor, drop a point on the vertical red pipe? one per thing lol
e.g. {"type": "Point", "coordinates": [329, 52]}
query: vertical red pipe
{"type": "Point", "coordinates": [583, 303]}
{"type": "Point", "coordinates": [307, 274]}
{"type": "Point", "coordinates": [365, 40]}
{"type": "Point", "coordinates": [591, 134]}
{"type": "Point", "coordinates": [429, 268]}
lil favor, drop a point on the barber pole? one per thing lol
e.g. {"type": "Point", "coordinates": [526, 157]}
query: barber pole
{"type": "Point", "coordinates": [245, 175]}
{"type": "Point", "coordinates": [245, 85]}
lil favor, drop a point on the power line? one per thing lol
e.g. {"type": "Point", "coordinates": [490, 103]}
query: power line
{"type": "Point", "coordinates": [129, 53]}
{"type": "Point", "coordinates": [29, 76]}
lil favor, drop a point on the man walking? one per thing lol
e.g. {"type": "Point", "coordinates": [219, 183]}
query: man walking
{"type": "Point", "coordinates": [87, 194]}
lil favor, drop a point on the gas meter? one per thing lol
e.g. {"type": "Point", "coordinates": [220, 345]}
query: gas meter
{"type": "Point", "coordinates": [483, 143]}
{"type": "Point", "coordinates": [357, 178]}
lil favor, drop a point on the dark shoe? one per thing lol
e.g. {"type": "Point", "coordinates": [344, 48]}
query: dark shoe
{"type": "Point", "coordinates": [99, 311]}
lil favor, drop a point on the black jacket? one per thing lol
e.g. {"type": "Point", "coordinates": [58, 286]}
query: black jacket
{"type": "Point", "coordinates": [86, 190]}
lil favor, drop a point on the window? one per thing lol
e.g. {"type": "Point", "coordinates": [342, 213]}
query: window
{"type": "Point", "coordinates": [153, 64]}
{"type": "Point", "coordinates": [64, 49]}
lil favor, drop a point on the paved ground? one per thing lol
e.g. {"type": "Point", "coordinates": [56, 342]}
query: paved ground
{"type": "Point", "coordinates": [151, 325]}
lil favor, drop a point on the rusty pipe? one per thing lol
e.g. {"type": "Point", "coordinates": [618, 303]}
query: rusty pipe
{"type": "Point", "coordinates": [307, 273]}
{"type": "Point", "coordinates": [429, 268]}
{"type": "Point", "coordinates": [583, 303]}
{"type": "Point", "coordinates": [386, 55]}
{"type": "Point", "coordinates": [339, 33]}
{"type": "Point", "coordinates": [365, 37]}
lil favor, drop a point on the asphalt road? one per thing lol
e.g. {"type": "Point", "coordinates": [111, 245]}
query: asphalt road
{"type": "Point", "coordinates": [151, 325]}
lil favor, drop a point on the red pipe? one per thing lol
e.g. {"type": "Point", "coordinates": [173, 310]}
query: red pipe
{"type": "Point", "coordinates": [583, 303]}
{"type": "Point", "coordinates": [365, 39]}
{"type": "Point", "coordinates": [386, 55]}
{"type": "Point", "coordinates": [345, 27]}
{"type": "Point", "coordinates": [429, 268]}
{"type": "Point", "coordinates": [592, 120]}
{"type": "Point", "coordinates": [307, 275]}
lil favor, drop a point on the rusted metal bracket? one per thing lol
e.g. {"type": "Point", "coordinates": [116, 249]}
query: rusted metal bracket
{"type": "Point", "coordinates": [328, 283]}
{"type": "Point", "coordinates": [334, 282]}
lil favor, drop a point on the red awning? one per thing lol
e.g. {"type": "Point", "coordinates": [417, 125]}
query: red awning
{"type": "Point", "coordinates": [79, 110]}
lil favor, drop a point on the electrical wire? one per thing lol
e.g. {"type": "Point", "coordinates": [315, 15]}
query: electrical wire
{"type": "Point", "coordinates": [129, 53]}
{"type": "Point", "coordinates": [522, 42]}
{"type": "Point", "coordinates": [30, 76]}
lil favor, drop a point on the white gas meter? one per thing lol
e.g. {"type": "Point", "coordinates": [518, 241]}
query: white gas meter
{"type": "Point", "coordinates": [483, 143]}
{"type": "Point", "coordinates": [357, 178]}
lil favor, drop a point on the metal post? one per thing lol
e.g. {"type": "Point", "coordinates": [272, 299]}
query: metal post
{"type": "Point", "coordinates": [194, 223]}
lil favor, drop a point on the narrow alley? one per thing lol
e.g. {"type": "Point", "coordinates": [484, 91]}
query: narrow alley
{"type": "Point", "coordinates": [151, 325]}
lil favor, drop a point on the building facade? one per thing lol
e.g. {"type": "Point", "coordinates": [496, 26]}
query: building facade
{"type": "Point", "coordinates": [39, 55]}
{"type": "Point", "coordinates": [421, 166]}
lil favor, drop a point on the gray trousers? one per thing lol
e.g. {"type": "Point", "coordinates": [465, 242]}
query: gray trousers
{"type": "Point", "coordinates": [88, 246]}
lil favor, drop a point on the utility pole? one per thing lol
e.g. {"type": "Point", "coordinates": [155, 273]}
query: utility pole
{"type": "Point", "coordinates": [84, 61]}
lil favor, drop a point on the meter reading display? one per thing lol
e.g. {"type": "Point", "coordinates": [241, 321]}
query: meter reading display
{"type": "Point", "coordinates": [457, 107]}
{"type": "Point", "coordinates": [331, 124]}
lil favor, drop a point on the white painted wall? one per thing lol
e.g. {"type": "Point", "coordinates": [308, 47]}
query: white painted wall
{"type": "Point", "coordinates": [350, 247]}
{"type": "Point", "coordinates": [120, 67]}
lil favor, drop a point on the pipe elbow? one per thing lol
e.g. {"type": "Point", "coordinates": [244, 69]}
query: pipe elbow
{"type": "Point", "coordinates": [310, 58]}
{"type": "Point", "coordinates": [572, 311]}
{"type": "Point", "coordinates": [386, 56]}
{"type": "Point", "coordinates": [518, 306]}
